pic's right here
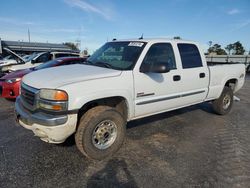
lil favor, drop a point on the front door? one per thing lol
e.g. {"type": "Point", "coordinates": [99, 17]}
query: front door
{"type": "Point", "coordinates": [156, 92]}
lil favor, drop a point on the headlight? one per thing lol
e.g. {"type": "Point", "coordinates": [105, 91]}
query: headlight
{"type": "Point", "coordinates": [10, 81]}
{"type": "Point", "coordinates": [6, 68]}
{"type": "Point", "coordinates": [53, 95]}
{"type": "Point", "coordinates": [53, 100]}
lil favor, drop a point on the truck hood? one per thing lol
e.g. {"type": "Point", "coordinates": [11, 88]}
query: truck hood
{"type": "Point", "coordinates": [58, 76]}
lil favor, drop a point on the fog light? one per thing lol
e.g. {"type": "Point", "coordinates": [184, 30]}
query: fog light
{"type": "Point", "coordinates": [40, 133]}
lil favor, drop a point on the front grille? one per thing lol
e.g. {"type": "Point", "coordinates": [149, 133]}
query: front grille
{"type": "Point", "coordinates": [28, 95]}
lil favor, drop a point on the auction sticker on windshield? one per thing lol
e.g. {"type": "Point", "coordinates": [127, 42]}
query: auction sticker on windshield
{"type": "Point", "coordinates": [137, 44]}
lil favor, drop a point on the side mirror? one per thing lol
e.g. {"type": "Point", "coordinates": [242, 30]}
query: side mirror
{"type": "Point", "coordinates": [158, 67]}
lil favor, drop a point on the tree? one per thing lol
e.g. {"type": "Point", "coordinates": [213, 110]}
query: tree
{"type": "Point", "coordinates": [71, 45]}
{"type": "Point", "coordinates": [210, 43]}
{"type": "Point", "coordinates": [177, 37]}
{"type": "Point", "coordinates": [216, 48]}
{"type": "Point", "coordinates": [229, 48]}
{"type": "Point", "coordinates": [221, 52]}
{"type": "Point", "coordinates": [238, 48]}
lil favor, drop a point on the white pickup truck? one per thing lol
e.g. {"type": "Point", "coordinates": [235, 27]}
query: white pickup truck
{"type": "Point", "coordinates": [122, 81]}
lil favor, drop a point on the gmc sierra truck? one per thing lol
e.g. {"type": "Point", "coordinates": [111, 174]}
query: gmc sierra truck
{"type": "Point", "coordinates": [122, 81]}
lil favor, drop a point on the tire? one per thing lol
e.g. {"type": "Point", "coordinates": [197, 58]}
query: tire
{"type": "Point", "coordinates": [224, 103]}
{"type": "Point", "coordinates": [100, 133]}
{"type": "Point", "coordinates": [248, 68]}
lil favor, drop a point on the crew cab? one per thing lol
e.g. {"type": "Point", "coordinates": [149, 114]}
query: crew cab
{"type": "Point", "coordinates": [10, 83]}
{"type": "Point", "coordinates": [122, 81]}
{"type": "Point", "coordinates": [35, 60]}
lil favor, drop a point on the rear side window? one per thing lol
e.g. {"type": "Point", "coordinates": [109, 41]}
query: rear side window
{"type": "Point", "coordinates": [65, 55]}
{"type": "Point", "coordinates": [61, 55]}
{"type": "Point", "coordinates": [73, 62]}
{"type": "Point", "coordinates": [190, 56]}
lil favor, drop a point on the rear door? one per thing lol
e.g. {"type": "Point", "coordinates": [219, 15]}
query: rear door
{"type": "Point", "coordinates": [194, 74]}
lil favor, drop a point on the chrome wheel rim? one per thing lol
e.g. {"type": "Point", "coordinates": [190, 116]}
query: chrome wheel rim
{"type": "Point", "coordinates": [104, 134]}
{"type": "Point", "coordinates": [226, 102]}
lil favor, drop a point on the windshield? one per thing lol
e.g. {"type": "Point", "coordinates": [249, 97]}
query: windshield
{"type": "Point", "coordinates": [117, 55]}
{"type": "Point", "coordinates": [31, 57]}
{"type": "Point", "coordinates": [7, 57]}
{"type": "Point", "coordinates": [48, 64]}
{"type": "Point", "coordinates": [25, 57]}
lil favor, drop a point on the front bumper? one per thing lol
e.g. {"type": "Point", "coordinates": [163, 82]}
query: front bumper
{"type": "Point", "coordinates": [49, 128]}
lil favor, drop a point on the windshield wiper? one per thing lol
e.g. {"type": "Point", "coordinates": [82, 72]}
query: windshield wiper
{"type": "Point", "coordinates": [104, 64]}
{"type": "Point", "coordinates": [99, 64]}
{"type": "Point", "coordinates": [87, 62]}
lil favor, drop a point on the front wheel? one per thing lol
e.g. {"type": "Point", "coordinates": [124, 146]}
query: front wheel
{"type": "Point", "coordinates": [224, 103]}
{"type": "Point", "coordinates": [101, 132]}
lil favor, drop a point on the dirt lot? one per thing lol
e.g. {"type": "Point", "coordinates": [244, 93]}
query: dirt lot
{"type": "Point", "coordinates": [190, 147]}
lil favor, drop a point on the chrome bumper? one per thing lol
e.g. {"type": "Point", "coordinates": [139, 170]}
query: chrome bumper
{"type": "Point", "coordinates": [38, 117]}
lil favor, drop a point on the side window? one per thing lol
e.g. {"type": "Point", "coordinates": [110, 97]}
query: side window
{"type": "Point", "coordinates": [66, 55]}
{"type": "Point", "coordinates": [160, 53]}
{"type": "Point", "coordinates": [74, 55]}
{"type": "Point", "coordinates": [43, 58]}
{"type": "Point", "coordinates": [190, 56]}
{"type": "Point", "coordinates": [61, 55]}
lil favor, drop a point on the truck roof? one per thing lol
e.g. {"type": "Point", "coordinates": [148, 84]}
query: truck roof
{"type": "Point", "coordinates": [155, 40]}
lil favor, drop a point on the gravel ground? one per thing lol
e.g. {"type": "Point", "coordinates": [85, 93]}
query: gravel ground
{"type": "Point", "coordinates": [190, 147]}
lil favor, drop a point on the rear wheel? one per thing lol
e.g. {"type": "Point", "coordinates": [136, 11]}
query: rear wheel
{"type": "Point", "coordinates": [248, 68]}
{"type": "Point", "coordinates": [224, 103]}
{"type": "Point", "coordinates": [101, 132]}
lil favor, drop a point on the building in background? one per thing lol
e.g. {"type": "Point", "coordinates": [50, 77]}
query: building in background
{"type": "Point", "coordinates": [31, 47]}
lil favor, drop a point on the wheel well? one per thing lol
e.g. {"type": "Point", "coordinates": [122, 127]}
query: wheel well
{"type": "Point", "coordinates": [116, 102]}
{"type": "Point", "coordinates": [231, 83]}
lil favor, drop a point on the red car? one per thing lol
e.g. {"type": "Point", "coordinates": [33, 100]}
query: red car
{"type": "Point", "coordinates": [10, 83]}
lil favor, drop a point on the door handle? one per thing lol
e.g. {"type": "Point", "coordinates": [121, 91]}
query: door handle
{"type": "Point", "coordinates": [177, 78]}
{"type": "Point", "coordinates": [202, 75]}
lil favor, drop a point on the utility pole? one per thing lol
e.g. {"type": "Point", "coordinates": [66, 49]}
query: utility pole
{"type": "Point", "coordinates": [29, 34]}
{"type": "Point", "coordinates": [1, 46]}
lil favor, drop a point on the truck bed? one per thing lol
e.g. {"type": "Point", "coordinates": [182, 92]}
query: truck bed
{"type": "Point", "coordinates": [212, 63]}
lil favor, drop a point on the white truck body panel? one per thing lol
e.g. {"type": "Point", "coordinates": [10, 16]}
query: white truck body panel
{"type": "Point", "coordinates": [109, 82]}
{"type": "Point", "coordinates": [145, 93]}
{"type": "Point", "coordinates": [220, 74]}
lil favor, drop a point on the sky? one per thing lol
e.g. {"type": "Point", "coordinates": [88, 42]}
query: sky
{"type": "Point", "coordinates": [94, 22]}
